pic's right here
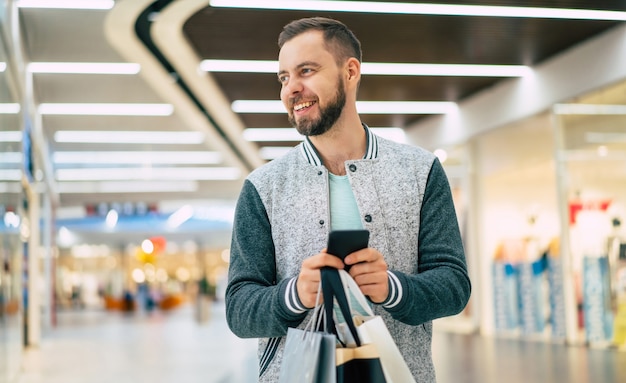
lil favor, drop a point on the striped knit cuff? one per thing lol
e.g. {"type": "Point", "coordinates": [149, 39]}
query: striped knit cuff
{"type": "Point", "coordinates": [291, 298]}
{"type": "Point", "coordinates": [395, 291]}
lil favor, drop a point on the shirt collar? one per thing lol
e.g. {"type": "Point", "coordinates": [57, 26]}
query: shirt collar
{"type": "Point", "coordinates": [311, 155]}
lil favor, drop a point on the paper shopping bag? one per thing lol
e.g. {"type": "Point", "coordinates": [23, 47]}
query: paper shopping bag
{"type": "Point", "coordinates": [308, 357]}
{"type": "Point", "coordinates": [359, 365]}
{"type": "Point", "coordinates": [374, 331]}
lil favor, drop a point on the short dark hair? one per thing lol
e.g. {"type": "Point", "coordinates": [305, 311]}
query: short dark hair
{"type": "Point", "coordinates": [338, 38]}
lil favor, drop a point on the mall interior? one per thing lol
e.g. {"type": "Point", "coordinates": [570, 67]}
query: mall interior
{"type": "Point", "coordinates": [127, 128]}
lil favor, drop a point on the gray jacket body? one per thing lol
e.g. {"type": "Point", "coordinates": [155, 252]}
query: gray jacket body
{"type": "Point", "coordinates": [282, 217]}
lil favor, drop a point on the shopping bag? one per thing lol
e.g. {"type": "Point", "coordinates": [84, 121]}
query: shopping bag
{"type": "Point", "coordinates": [359, 363]}
{"type": "Point", "coordinates": [309, 353]}
{"type": "Point", "coordinates": [372, 330]}
{"type": "Point", "coordinates": [308, 357]}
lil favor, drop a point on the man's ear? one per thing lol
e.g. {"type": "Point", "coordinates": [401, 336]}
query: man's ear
{"type": "Point", "coordinates": [353, 70]}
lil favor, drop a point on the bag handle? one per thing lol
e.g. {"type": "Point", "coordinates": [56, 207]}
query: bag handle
{"type": "Point", "coordinates": [332, 288]}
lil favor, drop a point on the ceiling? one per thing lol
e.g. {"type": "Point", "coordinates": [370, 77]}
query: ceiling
{"type": "Point", "coordinates": [170, 38]}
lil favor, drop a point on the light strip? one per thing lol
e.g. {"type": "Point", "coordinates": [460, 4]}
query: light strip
{"type": "Point", "coordinates": [272, 152]}
{"type": "Point", "coordinates": [590, 109]}
{"type": "Point", "coordinates": [292, 135]}
{"type": "Point", "coordinates": [364, 107]}
{"type": "Point", "coordinates": [272, 135]}
{"type": "Point", "coordinates": [11, 136]}
{"type": "Point", "coordinates": [3, 66]}
{"type": "Point", "coordinates": [66, 4]}
{"type": "Point", "coordinates": [127, 187]}
{"type": "Point", "coordinates": [400, 69]}
{"type": "Point", "coordinates": [245, 66]}
{"type": "Point", "coordinates": [148, 173]}
{"type": "Point", "coordinates": [83, 68]}
{"type": "Point", "coordinates": [10, 175]}
{"type": "Point", "coordinates": [10, 108]}
{"type": "Point", "coordinates": [387, 69]}
{"type": "Point", "coordinates": [423, 9]}
{"type": "Point", "coordinates": [134, 158]}
{"type": "Point", "coordinates": [107, 109]}
{"type": "Point", "coordinates": [128, 137]}
{"type": "Point", "coordinates": [11, 158]}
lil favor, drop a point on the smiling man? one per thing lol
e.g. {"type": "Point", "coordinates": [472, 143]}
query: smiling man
{"type": "Point", "coordinates": [342, 176]}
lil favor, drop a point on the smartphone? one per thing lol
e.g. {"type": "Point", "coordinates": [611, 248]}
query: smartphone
{"type": "Point", "coordinates": [343, 242]}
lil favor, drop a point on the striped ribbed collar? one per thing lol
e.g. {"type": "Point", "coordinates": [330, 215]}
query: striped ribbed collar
{"type": "Point", "coordinates": [312, 156]}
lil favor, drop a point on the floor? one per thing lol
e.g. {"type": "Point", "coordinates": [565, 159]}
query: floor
{"type": "Point", "coordinates": [97, 347]}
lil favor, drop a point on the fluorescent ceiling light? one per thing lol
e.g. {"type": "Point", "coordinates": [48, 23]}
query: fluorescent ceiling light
{"type": "Point", "coordinates": [400, 69]}
{"type": "Point", "coordinates": [66, 4]}
{"type": "Point", "coordinates": [247, 66]}
{"type": "Point", "coordinates": [272, 152]}
{"type": "Point", "coordinates": [364, 107]}
{"type": "Point", "coordinates": [10, 136]}
{"type": "Point", "coordinates": [393, 134]}
{"type": "Point", "coordinates": [13, 108]}
{"type": "Point", "coordinates": [292, 135]}
{"type": "Point", "coordinates": [138, 158]}
{"type": "Point", "coordinates": [390, 69]}
{"type": "Point", "coordinates": [10, 175]}
{"type": "Point", "coordinates": [127, 187]}
{"type": "Point", "coordinates": [272, 134]}
{"type": "Point", "coordinates": [589, 109]}
{"type": "Point", "coordinates": [423, 9]}
{"type": "Point", "coordinates": [129, 137]}
{"type": "Point", "coordinates": [3, 66]}
{"type": "Point", "coordinates": [86, 68]}
{"type": "Point", "coordinates": [148, 173]}
{"type": "Point", "coordinates": [11, 158]}
{"type": "Point", "coordinates": [107, 109]}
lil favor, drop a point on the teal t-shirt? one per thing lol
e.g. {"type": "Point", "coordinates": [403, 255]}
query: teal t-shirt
{"type": "Point", "coordinates": [344, 215]}
{"type": "Point", "coordinates": [344, 212]}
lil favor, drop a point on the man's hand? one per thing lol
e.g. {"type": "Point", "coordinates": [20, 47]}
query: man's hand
{"type": "Point", "coordinates": [369, 270]}
{"type": "Point", "coordinates": [310, 276]}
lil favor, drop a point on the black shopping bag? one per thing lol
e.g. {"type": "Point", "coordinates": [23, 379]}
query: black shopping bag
{"type": "Point", "coordinates": [358, 364]}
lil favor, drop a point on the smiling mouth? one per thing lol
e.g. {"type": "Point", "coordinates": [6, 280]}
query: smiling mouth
{"type": "Point", "coordinates": [303, 105]}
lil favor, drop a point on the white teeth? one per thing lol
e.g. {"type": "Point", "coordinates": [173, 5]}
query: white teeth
{"type": "Point", "coordinates": [302, 106]}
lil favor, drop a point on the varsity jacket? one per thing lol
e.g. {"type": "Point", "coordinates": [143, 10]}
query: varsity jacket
{"type": "Point", "coordinates": [282, 217]}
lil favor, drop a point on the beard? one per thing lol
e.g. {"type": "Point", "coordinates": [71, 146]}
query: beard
{"type": "Point", "coordinates": [329, 115]}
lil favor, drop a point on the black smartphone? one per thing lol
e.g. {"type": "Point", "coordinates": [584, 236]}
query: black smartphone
{"type": "Point", "coordinates": [343, 242]}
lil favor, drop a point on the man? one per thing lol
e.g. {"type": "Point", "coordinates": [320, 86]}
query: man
{"type": "Point", "coordinates": [342, 176]}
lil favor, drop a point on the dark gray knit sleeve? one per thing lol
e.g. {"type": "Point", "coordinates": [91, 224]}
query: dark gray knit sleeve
{"type": "Point", "coordinates": [255, 300]}
{"type": "Point", "coordinates": [442, 286]}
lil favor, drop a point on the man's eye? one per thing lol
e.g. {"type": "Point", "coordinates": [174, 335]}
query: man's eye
{"type": "Point", "coordinates": [282, 79]}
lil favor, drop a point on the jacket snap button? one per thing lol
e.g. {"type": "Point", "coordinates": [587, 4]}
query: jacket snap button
{"type": "Point", "coordinates": [352, 168]}
{"type": "Point", "coordinates": [368, 218]}
{"type": "Point", "coordinates": [319, 173]}
{"type": "Point", "coordinates": [321, 221]}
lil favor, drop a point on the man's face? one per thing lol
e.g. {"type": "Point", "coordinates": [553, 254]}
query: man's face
{"type": "Point", "coordinates": [313, 90]}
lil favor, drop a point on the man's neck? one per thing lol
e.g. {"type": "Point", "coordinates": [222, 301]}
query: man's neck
{"type": "Point", "coordinates": [340, 144]}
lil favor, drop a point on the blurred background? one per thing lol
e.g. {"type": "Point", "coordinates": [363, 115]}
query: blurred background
{"type": "Point", "coordinates": [127, 128]}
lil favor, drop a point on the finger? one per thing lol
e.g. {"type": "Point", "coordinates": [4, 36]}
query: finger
{"type": "Point", "coordinates": [363, 255]}
{"type": "Point", "coordinates": [324, 259]}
